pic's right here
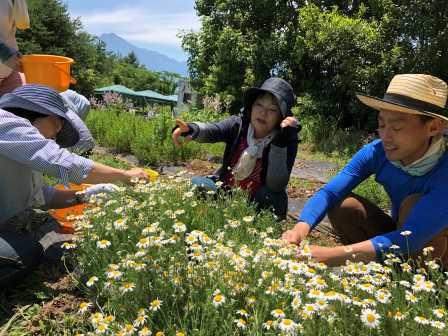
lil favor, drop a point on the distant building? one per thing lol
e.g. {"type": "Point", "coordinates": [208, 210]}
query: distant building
{"type": "Point", "coordinates": [186, 96]}
{"type": "Point", "coordinates": [140, 97]}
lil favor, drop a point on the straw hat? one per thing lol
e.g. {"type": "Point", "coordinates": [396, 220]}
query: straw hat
{"type": "Point", "coordinates": [412, 93]}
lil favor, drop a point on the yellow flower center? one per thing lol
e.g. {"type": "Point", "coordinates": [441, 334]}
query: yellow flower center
{"type": "Point", "coordinates": [287, 322]}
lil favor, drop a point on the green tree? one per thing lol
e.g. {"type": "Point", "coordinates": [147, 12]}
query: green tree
{"type": "Point", "coordinates": [54, 32]}
{"type": "Point", "coordinates": [131, 58]}
{"type": "Point", "coordinates": [239, 45]}
{"type": "Point", "coordinates": [327, 49]}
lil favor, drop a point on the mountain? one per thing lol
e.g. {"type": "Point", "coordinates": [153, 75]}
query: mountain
{"type": "Point", "coordinates": [153, 60]}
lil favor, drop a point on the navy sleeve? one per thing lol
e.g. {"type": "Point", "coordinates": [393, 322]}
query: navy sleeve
{"type": "Point", "coordinates": [361, 166]}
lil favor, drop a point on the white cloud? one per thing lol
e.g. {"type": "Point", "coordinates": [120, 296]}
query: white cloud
{"type": "Point", "coordinates": [138, 26]}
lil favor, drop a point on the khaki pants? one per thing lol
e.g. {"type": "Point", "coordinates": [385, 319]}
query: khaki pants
{"type": "Point", "coordinates": [356, 219]}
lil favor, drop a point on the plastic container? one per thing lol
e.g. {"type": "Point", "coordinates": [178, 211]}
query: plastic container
{"type": "Point", "coordinates": [153, 175]}
{"type": "Point", "coordinates": [49, 70]}
{"type": "Point", "coordinates": [65, 216]}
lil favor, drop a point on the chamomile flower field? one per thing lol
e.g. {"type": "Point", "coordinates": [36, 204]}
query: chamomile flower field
{"type": "Point", "coordinates": [164, 259]}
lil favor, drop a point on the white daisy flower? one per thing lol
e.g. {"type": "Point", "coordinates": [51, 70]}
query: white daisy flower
{"type": "Point", "coordinates": [84, 307]}
{"type": "Point", "coordinates": [92, 280]}
{"type": "Point", "coordinates": [248, 219]}
{"type": "Point", "coordinates": [439, 312]}
{"type": "Point", "coordinates": [114, 274]}
{"type": "Point", "coordinates": [268, 325]}
{"type": "Point", "coordinates": [240, 323]}
{"type": "Point", "coordinates": [370, 318]}
{"type": "Point", "coordinates": [296, 302]}
{"type": "Point", "coordinates": [219, 300]}
{"type": "Point", "coordinates": [189, 194]}
{"type": "Point", "coordinates": [102, 244]}
{"type": "Point", "coordinates": [409, 296]}
{"type": "Point", "coordinates": [120, 224]}
{"type": "Point", "coordinates": [288, 326]}
{"type": "Point", "coordinates": [179, 227]}
{"type": "Point", "coordinates": [68, 245]}
{"type": "Point", "coordinates": [422, 320]}
{"type": "Point", "coordinates": [155, 305]}
{"type": "Point", "coordinates": [145, 331]}
{"type": "Point", "coordinates": [397, 315]}
{"type": "Point", "coordinates": [242, 312]}
{"type": "Point", "coordinates": [278, 313]}
{"type": "Point", "coordinates": [438, 325]}
{"type": "Point", "coordinates": [127, 287]}
{"type": "Point", "coordinates": [143, 242]}
{"type": "Point", "coordinates": [101, 328]}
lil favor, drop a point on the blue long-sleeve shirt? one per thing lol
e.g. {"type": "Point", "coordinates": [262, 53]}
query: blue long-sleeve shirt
{"type": "Point", "coordinates": [427, 218]}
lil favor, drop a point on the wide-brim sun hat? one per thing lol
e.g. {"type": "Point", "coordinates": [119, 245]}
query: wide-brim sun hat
{"type": "Point", "coordinates": [412, 93]}
{"type": "Point", "coordinates": [46, 101]}
{"type": "Point", "coordinates": [279, 88]}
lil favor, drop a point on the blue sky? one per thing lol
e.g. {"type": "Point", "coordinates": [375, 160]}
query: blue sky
{"type": "Point", "coordinates": [151, 24]}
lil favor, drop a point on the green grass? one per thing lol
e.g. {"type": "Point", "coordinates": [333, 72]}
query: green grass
{"type": "Point", "coordinates": [374, 192]}
{"type": "Point", "coordinates": [303, 183]}
{"type": "Point", "coordinates": [369, 188]}
{"type": "Point", "coordinates": [149, 140]}
{"type": "Point", "coordinates": [110, 160]}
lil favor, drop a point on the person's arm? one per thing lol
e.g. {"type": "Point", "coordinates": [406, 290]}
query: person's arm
{"type": "Point", "coordinates": [220, 131]}
{"type": "Point", "coordinates": [22, 142]}
{"type": "Point", "coordinates": [77, 103]}
{"type": "Point", "coordinates": [335, 256]}
{"type": "Point", "coordinates": [86, 141]}
{"type": "Point", "coordinates": [101, 173]}
{"type": "Point", "coordinates": [10, 57]}
{"type": "Point", "coordinates": [57, 199]}
{"type": "Point", "coordinates": [428, 218]}
{"type": "Point", "coordinates": [357, 170]}
{"type": "Point", "coordinates": [282, 154]}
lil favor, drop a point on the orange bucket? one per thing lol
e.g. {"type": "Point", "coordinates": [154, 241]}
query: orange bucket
{"type": "Point", "coordinates": [65, 216]}
{"type": "Point", "coordinates": [49, 70]}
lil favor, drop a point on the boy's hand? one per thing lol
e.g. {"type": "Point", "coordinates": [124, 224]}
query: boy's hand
{"type": "Point", "coordinates": [297, 233]}
{"type": "Point", "coordinates": [181, 129]}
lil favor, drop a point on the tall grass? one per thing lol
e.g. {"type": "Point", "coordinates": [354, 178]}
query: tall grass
{"type": "Point", "coordinates": [148, 139]}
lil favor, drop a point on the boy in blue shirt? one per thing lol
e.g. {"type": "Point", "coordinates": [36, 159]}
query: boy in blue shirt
{"type": "Point", "coordinates": [410, 161]}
